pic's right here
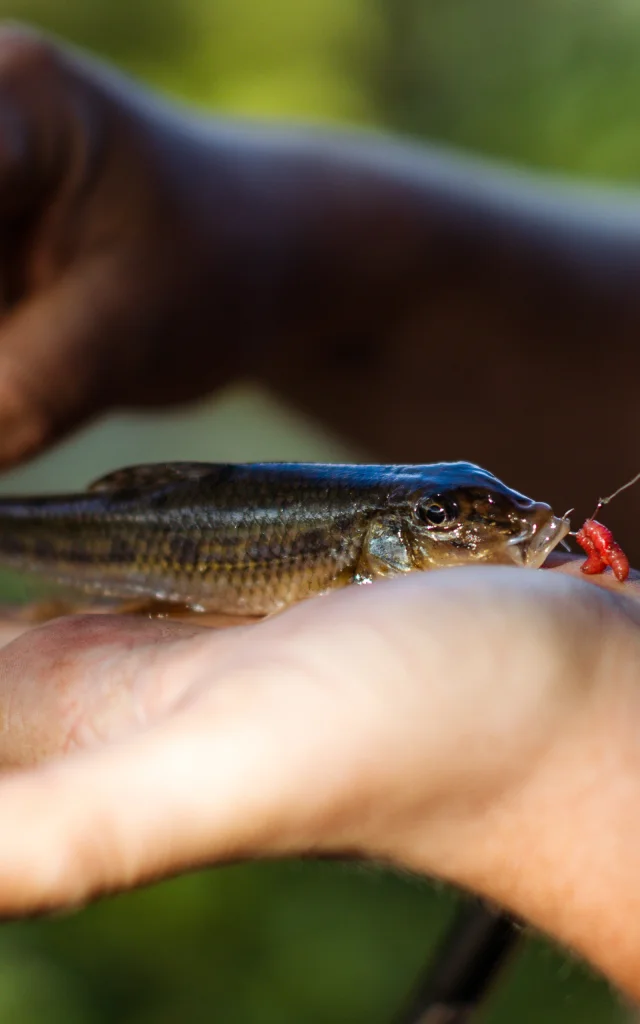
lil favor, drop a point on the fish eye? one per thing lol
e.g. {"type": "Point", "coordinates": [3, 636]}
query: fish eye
{"type": "Point", "coordinates": [436, 511]}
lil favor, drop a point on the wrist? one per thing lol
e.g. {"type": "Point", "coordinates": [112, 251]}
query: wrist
{"type": "Point", "coordinates": [559, 846]}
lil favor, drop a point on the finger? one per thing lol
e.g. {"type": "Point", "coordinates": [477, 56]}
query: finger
{"type": "Point", "coordinates": [75, 829]}
{"type": "Point", "coordinates": [39, 137]}
{"type": "Point", "coordinates": [58, 359]}
{"type": "Point", "coordinates": [92, 678]}
{"type": "Point", "coordinates": [35, 118]}
{"type": "Point", "coordinates": [363, 713]}
{"type": "Point", "coordinates": [338, 728]}
{"type": "Point", "coordinates": [58, 363]}
{"type": "Point", "coordinates": [14, 150]}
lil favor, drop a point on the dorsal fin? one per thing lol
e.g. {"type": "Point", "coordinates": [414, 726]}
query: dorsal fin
{"type": "Point", "coordinates": [152, 476]}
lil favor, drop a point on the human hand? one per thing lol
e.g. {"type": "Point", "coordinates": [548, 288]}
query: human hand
{"type": "Point", "coordinates": [478, 725]}
{"type": "Point", "coordinates": [113, 247]}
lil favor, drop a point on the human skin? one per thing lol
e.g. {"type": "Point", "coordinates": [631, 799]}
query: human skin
{"type": "Point", "coordinates": [353, 278]}
{"type": "Point", "coordinates": [148, 256]}
{"type": "Point", "coordinates": [355, 724]}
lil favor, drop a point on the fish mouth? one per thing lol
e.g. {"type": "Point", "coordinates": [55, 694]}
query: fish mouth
{"type": "Point", "coordinates": [532, 546]}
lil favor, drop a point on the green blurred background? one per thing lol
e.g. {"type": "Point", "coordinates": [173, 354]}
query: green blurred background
{"type": "Point", "coordinates": [550, 84]}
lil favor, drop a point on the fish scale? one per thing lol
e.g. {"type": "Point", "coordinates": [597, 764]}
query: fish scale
{"type": "Point", "coordinates": [253, 538]}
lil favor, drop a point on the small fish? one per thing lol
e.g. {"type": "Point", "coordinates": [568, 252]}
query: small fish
{"type": "Point", "coordinates": [251, 539]}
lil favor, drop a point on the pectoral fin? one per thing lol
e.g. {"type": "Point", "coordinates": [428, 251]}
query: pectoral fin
{"type": "Point", "coordinates": [384, 553]}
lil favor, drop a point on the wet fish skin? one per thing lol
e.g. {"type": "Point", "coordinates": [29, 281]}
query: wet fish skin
{"type": "Point", "coordinates": [252, 538]}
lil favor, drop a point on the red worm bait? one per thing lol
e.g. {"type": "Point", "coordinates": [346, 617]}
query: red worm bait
{"type": "Point", "coordinates": [602, 550]}
{"type": "Point", "coordinates": [597, 540]}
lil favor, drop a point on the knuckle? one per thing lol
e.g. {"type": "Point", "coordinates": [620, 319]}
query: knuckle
{"type": "Point", "coordinates": [25, 52]}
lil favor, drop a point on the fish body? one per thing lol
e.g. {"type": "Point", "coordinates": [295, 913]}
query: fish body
{"type": "Point", "coordinates": [252, 538]}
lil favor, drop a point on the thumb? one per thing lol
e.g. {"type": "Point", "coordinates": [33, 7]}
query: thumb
{"type": "Point", "coordinates": [39, 137]}
{"type": "Point", "coordinates": [58, 364]}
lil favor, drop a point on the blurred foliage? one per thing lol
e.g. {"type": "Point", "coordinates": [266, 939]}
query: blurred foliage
{"type": "Point", "coordinates": [551, 83]}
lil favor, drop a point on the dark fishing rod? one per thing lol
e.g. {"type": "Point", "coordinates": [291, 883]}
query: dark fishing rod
{"type": "Point", "coordinates": [454, 986]}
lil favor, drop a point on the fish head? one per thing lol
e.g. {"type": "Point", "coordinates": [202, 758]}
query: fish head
{"type": "Point", "coordinates": [462, 514]}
